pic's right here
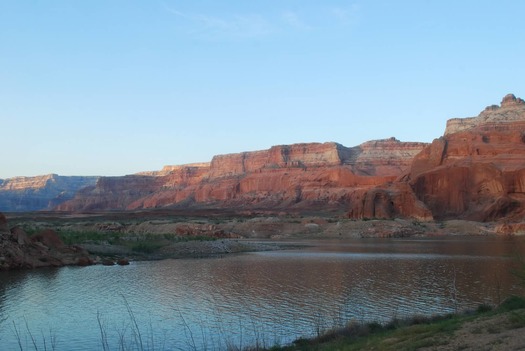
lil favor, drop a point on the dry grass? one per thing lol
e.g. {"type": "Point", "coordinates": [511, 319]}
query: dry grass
{"type": "Point", "coordinates": [500, 329]}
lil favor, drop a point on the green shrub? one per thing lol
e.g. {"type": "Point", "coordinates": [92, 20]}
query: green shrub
{"type": "Point", "coordinates": [519, 269]}
{"type": "Point", "coordinates": [147, 247]}
{"type": "Point", "coordinates": [483, 308]}
{"type": "Point", "coordinates": [512, 303]}
{"type": "Point", "coordinates": [71, 237]}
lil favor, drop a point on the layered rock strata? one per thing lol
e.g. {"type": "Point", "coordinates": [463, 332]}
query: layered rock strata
{"type": "Point", "coordinates": [476, 171]}
{"type": "Point", "coordinates": [40, 192]}
{"type": "Point", "coordinates": [286, 176]}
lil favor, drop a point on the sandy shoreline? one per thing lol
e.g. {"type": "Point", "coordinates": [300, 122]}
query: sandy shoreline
{"type": "Point", "coordinates": [160, 235]}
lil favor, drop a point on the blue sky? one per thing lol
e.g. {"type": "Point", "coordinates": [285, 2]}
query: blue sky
{"type": "Point", "coordinates": [113, 87]}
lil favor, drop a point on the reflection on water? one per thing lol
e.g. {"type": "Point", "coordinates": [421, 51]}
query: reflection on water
{"type": "Point", "coordinates": [260, 298]}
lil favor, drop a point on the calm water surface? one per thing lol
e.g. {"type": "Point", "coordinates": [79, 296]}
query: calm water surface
{"type": "Point", "coordinates": [258, 298]}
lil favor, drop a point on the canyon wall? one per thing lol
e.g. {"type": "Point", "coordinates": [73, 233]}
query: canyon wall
{"type": "Point", "coordinates": [476, 171]}
{"type": "Point", "coordinates": [40, 192]}
{"type": "Point", "coordinates": [309, 175]}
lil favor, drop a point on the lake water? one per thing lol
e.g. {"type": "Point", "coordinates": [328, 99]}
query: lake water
{"type": "Point", "coordinates": [250, 299]}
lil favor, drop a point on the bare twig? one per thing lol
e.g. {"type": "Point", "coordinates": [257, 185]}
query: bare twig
{"type": "Point", "coordinates": [44, 340]}
{"type": "Point", "coordinates": [136, 329]}
{"type": "Point", "coordinates": [103, 335]}
{"type": "Point", "coordinates": [187, 330]}
{"type": "Point", "coordinates": [31, 335]}
{"type": "Point", "coordinates": [454, 291]}
{"type": "Point", "coordinates": [18, 338]}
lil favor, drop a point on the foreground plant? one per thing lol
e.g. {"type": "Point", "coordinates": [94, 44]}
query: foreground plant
{"type": "Point", "coordinates": [408, 334]}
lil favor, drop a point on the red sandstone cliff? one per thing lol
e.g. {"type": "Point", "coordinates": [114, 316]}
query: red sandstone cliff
{"type": "Point", "coordinates": [475, 171]}
{"type": "Point", "coordinates": [300, 175]}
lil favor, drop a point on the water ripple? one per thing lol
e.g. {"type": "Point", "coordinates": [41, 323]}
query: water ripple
{"type": "Point", "coordinates": [251, 299]}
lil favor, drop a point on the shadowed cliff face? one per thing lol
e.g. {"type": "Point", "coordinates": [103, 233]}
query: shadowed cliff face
{"type": "Point", "coordinates": [39, 193]}
{"type": "Point", "coordinates": [286, 176]}
{"type": "Point", "coordinates": [475, 171]}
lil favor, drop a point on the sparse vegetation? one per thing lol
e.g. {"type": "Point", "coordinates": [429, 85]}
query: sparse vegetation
{"type": "Point", "coordinates": [398, 334]}
{"type": "Point", "coordinates": [137, 242]}
{"type": "Point", "coordinates": [408, 334]}
{"type": "Point", "coordinates": [404, 334]}
{"type": "Point", "coordinates": [80, 237]}
{"type": "Point", "coordinates": [146, 247]}
{"type": "Point", "coordinates": [519, 270]}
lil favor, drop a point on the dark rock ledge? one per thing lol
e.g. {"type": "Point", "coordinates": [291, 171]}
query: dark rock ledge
{"type": "Point", "coordinates": [45, 249]}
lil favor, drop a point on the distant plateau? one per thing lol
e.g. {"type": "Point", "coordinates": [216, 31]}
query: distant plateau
{"type": "Point", "coordinates": [475, 172]}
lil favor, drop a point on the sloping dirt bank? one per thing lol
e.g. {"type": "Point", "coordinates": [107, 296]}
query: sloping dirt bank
{"type": "Point", "coordinates": [484, 329]}
{"type": "Point", "coordinates": [500, 332]}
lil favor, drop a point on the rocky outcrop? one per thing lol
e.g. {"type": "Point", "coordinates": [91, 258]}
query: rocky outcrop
{"type": "Point", "coordinates": [3, 224]}
{"type": "Point", "coordinates": [476, 171]}
{"type": "Point", "coordinates": [310, 175]}
{"type": "Point", "coordinates": [39, 193]}
{"type": "Point", "coordinates": [116, 192]}
{"type": "Point", "coordinates": [388, 201]}
{"type": "Point", "coordinates": [171, 169]}
{"type": "Point", "coordinates": [510, 110]}
{"type": "Point", "coordinates": [45, 249]}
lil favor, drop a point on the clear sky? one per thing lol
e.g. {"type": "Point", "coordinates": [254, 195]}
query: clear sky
{"type": "Point", "coordinates": [113, 87]}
